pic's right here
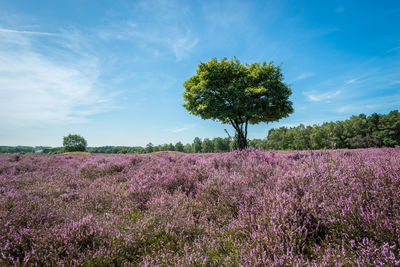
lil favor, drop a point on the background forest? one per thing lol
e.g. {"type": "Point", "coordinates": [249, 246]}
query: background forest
{"type": "Point", "coordinates": [360, 131]}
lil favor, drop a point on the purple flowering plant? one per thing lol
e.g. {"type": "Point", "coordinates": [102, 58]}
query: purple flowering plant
{"type": "Point", "coordinates": [242, 208]}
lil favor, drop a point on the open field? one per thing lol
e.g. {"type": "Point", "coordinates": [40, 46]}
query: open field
{"type": "Point", "coordinates": [248, 208]}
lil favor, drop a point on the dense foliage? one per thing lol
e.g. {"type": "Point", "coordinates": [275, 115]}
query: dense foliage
{"type": "Point", "coordinates": [357, 132]}
{"type": "Point", "coordinates": [16, 149]}
{"type": "Point", "coordinates": [74, 142]}
{"type": "Point", "coordinates": [247, 208]}
{"type": "Point", "coordinates": [238, 94]}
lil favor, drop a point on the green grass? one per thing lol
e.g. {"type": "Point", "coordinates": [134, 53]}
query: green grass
{"type": "Point", "coordinates": [168, 151]}
{"type": "Point", "coordinates": [76, 153]}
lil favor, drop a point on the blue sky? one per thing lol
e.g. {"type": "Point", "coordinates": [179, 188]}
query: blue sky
{"type": "Point", "coordinates": [112, 71]}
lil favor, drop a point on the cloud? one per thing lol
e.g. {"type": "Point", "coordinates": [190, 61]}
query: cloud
{"type": "Point", "coordinates": [393, 49]}
{"type": "Point", "coordinates": [365, 87]}
{"type": "Point", "coordinates": [227, 14]}
{"type": "Point", "coordinates": [356, 79]}
{"type": "Point", "coordinates": [180, 130]}
{"type": "Point", "coordinates": [303, 76]}
{"type": "Point", "coordinates": [28, 32]}
{"type": "Point", "coordinates": [375, 104]}
{"type": "Point", "coordinates": [182, 46]}
{"type": "Point", "coordinates": [351, 81]}
{"type": "Point", "coordinates": [165, 29]}
{"type": "Point", "coordinates": [323, 96]}
{"type": "Point", "coordinates": [183, 129]}
{"type": "Point", "coordinates": [178, 41]}
{"type": "Point", "coordinates": [154, 40]}
{"type": "Point", "coordinates": [339, 9]}
{"type": "Point", "coordinates": [345, 108]}
{"type": "Point", "coordinates": [39, 88]}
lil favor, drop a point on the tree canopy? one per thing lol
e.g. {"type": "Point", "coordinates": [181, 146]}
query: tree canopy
{"type": "Point", "coordinates": [74, 142]}
{"type": "Point", "coordinates": [238, 94]}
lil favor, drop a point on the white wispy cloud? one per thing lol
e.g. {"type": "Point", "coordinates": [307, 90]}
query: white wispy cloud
{"type": "Point", "coordinates": [227, 14]}
{"type": "Point", "coordinates": [179, 41]}
{"type": "Point", "coordinates": [339, 9]}
{"type": "Point", "coordinates": [327, 96]}
{"type": "Point", "coordinates": [372, 104]}
{"type": "Point", "coordinates": [38, 88]}
{"type": "Point", "coordinates": [303, 76]}
{"type": "Point", "coordinates": [180, 130]}
{"type": "Point", "coordinates": [165, 30]}
{"type": "Point", "coordinates": [393, 49]}
{"type": "Point", "coordinates": [182, 46]}
{"type": "Point", "coordinates": [28, 32]}
{"type": "Point", "coordinates": [345, 108]}
{"type": "Point", "coordinates": [355, 87]}
{"type": "Point", "coordinates": [356, 79]}
{"type": "Point", "coordinates": [183, 129]}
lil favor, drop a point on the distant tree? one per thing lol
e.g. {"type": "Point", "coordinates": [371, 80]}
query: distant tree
{"type": "Point", "coordinates": [227, 142]}
{"type": "Point", "coordinates": [179, 147]}
{"type": "Point", "coordinates": [238, 94]}
{"type": "Point", "coordinates": [389, 126]}
{"type": "Point", "coordinates": [338, 134]}
{"type": "Point", "coordinates": [149, 148]}
{"type": "Point", "coordinates": [207, 146]}
{"type": "Point", "coordinates": [188, 148]}
{"type": "Point", "coordinates": [356, 125]}
{"type": "Point", "coordinates": [74, 142]}
{"type": "Point", "coordinates": [196, 146]}
{"type": "Point", "coordinates": [373, 123]}
{"type": "Point", "coordinates": [360, 141]}
{"type": "Point", "coordinates": [220, 144]}
{"type": "Point", "coordinates": [300, 137]}
{"type": "Point", "coordinates": [258, 143]}
{"type": "Point", "coordinates": [319, 138]}
{"type": "Point", "coordinates": [276, 138]}
{"type": "Point", "coordinates": [164, 147]}
{"type": "Point", "coordinates": [171, 147]}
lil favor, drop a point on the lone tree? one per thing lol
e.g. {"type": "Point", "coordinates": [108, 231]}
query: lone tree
{"type": "Point", "coordinates": [74, 142]}
{"type": "Point", "coordinates": [238, 94]}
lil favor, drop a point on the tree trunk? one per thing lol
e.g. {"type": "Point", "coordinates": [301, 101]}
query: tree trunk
{"type": "Point", "coordinates": [241, 134]}
{"type": "Point", "coordinates": [241, 140]}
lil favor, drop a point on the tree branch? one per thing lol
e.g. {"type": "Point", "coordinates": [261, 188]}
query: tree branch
{"type": "Point", "coordinates": [234, 125]}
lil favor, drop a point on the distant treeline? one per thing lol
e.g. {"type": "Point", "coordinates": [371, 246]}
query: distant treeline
{"type": "Point", "coordinates": [359, 131]}
{"type": "Point", "coordinates": [198, 146]}
{"type": "Point", "coordinates": [29, 149]}
{"type": "Point", "coordinates": [17, 149]}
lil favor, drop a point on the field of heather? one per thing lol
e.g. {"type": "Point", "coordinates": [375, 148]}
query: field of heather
{"type": "Point", "coordinates": [248, 208]}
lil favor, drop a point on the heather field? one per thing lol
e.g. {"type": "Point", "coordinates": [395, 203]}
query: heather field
{"type": "Point", "coordinates": [248, 208]}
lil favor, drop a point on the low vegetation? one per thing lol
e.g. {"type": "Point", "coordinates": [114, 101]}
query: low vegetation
{"type": "Point", "coordinates": [76, 153]}
{"type": "Point", "coordinates": [247, 208]}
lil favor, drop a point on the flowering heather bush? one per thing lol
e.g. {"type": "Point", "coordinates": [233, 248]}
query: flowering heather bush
{"type": "Point", "coordinates": [247, 208]}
